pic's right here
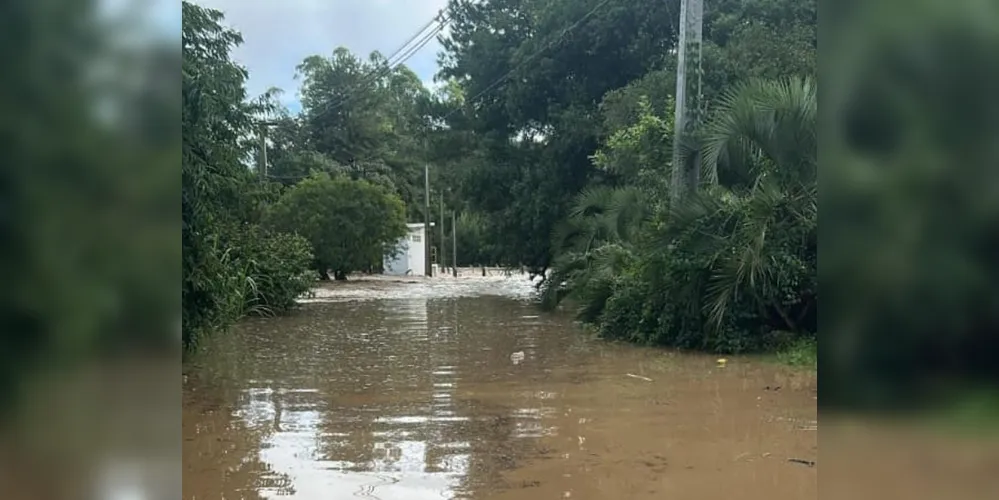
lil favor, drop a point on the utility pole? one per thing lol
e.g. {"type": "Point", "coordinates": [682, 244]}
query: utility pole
{"type": "Point", "coordinates": [426, 224]}
{"type": "Point", "coordinates": [454, 244]}
{"type": "Point", "coordinates": [691, 28]}
{"type": "Point", "coordinates": [262, 158]}
{"type": "Point", "coordinates": [443, 258]}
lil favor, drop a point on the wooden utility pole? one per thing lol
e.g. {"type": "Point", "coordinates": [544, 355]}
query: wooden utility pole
{"type": "Point", "coordinates": [454, 244]}
{"type": "Point", "coordinates": [690, 36]}
{"type": "Point", "coordinates": [426, 224]}
{"type": "Point", "coordinates": [443, 258]}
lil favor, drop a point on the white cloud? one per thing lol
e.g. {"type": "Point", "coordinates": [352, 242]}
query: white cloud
{"type": "Point", "coordinates": [278, 34]}
{"type": "Point", "coordinates": [431, 85]}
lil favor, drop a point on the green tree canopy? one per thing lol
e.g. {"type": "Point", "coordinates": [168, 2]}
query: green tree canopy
{"type": "Point", "coordinates": [215, 118]}
{"type": "Point", "coordinates": [230, 267]}
{"type": "Point", "coordinates": [541, 85]}
{"type": "Point", "coordinates": [366, 115]}
{"type": "Point", "coordinates": [352, 224]}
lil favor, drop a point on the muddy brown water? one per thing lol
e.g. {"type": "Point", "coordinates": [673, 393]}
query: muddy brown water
{"type": "Point", "coordinates": [429, 389]}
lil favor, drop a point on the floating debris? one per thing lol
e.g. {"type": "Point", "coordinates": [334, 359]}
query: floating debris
{"type": "Point", "coordinates": [517, 357]}
{"type": "Point", "coordinates": [632, 375]}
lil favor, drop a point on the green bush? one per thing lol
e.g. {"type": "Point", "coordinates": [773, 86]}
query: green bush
{"type": "Point", "coordinates": [725, 266]}
{"type": "Point", "coordinates": [679, 290]}
{"type": "Point", "coordinates": [245, 270]}
{"type": "Point", "coordinates": [802, 352]}
{"type": "Point", "coordinates": [214, 285]}
{"type": "Point", "coordinates": [352, 224]}
{"type": "Point", "coordinates": [277, 267]}
{"type": "Point", "coordinates": [624, 316]}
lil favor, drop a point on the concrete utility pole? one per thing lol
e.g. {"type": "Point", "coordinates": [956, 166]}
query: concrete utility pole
{"type": "Point", "coordinates": [426, 224]}
{"type": "Point", "coordinates": [454, 244]}
{"type": "Point", "coordinates": [691, 28]}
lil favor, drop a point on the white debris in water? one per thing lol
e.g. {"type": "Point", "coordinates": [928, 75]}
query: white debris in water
{"type": "Point", "coordinates": [517, 357]}
{"type": "Point", "coordinates": [632, 375]}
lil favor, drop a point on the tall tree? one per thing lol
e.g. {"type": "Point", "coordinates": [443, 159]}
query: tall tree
{"type": "Point", "coordinates": [539, 125]}
{"type": "Point", "coordinates": [366, 118]}
{"type": "Point", "coordinates": [352, 224]}
{"type": "Point", "coordinates": [230, 267]}
{"type": "Point", "coordinates": [215, 121]}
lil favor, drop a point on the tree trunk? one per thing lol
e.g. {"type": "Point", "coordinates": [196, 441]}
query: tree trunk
{"type": "Point", "coordinates": [340, 275]}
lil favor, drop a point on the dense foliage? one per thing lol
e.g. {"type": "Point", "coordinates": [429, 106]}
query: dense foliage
{"type": "Point", "coordinates": [352, 224]}
{"type": "Point", "coordinates": [231, 266]}
{"type": "Point", "coordinates": [363, 119]}
{"type": "Point", "coordinates": [551, 135]}
{"type": "Point", "coordinates": [569, 159]}
{"type": "Point", "coordinates": [733, 267]}
{"type": "Point", "coordinates": [552, 81]}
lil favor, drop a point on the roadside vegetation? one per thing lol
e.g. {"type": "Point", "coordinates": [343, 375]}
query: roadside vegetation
{"type": "Point", "coordinates": [556, 151]}
{"type": "Point", "coordinates": [802, 353]}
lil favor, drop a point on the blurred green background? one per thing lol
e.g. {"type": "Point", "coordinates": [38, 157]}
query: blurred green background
{"type": "Point", "coordinates": [909, 248]}
{"type": "Point", "coordinates": [90, 186]}
{"type": "Point", "coordinates": [909, 190]}
{"type": "Point", "coordinates": [89, 242]}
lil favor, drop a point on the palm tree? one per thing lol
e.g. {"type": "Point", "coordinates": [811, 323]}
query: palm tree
{"type": "Point", "coordinates": [757, 217]}
{"type": "Point", "coordinates": [762, 129]}
{"type": "Point", "coordinates": [592, 247]}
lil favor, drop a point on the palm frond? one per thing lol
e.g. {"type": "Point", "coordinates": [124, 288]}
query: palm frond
{"type": "Point", "coordinates": [600, 214]}
{"type": "Point", "coordinates": [770, 120]}
{"type": "Point", "coordinates": [626, 210]}
{"type": "Point", "coordinates": [591, 200]}
{"type": "Point", "coordinates": [560, 280]}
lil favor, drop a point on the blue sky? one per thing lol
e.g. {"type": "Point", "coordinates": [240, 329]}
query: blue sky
{"type": "Point", "coordinates": [279, 34]}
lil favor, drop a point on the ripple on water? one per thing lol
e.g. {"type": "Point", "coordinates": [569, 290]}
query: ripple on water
{"type": "Point", "coordinates": [408, 391]}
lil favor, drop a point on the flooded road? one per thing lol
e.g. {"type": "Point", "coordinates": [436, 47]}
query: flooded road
{"type": "Point", "coordinates": [442, 388]}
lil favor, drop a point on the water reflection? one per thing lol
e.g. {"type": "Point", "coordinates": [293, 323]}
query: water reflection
{"type": "Point", "coordinates": [357, 397]}
{"type": "Point", "coordinates": [222, 452]}
{"type": "Point", "coordinates": [407, 391]}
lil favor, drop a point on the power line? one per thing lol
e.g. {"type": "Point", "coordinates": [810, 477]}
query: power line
{"type": "Point", "coordinates": [422, 29]}
{"type": "Point", "coordinates": [374, 74]}
{"type": "Point", "coordinates": [551, 44]}
{"type": "Point", "coordinates": [443, 21]}
{"type": "Point", "coordinates": [440, 27]}
{"type": "Point", "coordinates": [380, 73]}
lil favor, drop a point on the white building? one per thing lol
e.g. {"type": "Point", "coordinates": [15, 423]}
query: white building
{"type": "Point", "coordinates": [411, 259]}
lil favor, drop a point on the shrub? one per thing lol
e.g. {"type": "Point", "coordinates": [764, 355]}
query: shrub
{"type": "Point", "coordinates": [352, 224]}
{"type": "Point", "coordinates": [277, 267]}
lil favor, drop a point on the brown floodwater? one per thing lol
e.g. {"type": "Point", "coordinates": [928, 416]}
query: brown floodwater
{"type": "Point", "coordinates": [445, 388]}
